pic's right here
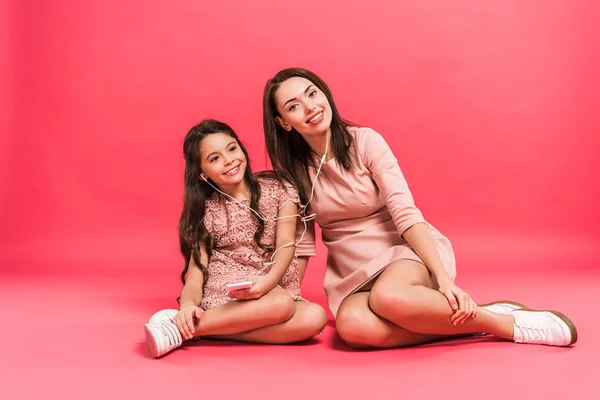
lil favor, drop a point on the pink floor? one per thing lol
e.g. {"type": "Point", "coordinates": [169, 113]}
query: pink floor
{"type": "Point", "coordinates": [78, 334]}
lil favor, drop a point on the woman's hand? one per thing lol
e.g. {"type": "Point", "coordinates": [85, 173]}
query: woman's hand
{"type": "Point", "coordinates": [184, 320]}
{"type": "Point", "coordinates": [463, 306]}
{"type": "Point", "coordinates": [261, 285]}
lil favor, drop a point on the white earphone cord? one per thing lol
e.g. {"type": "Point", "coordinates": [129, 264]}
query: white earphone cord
{"type": "Point", "coordinates": [302, 214]}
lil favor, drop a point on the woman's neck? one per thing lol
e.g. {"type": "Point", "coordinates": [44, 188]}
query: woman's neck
{"type": "Point", "coordinates": [321, 144]}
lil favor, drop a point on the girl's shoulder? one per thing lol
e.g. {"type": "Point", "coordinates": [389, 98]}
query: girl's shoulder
{"type": "Point", "coordinates": [213, 199]}
{"type": "Point", "coordinates": [213, 204]}
{"type": "Point", "coordinates": [273, 186]}
{"type": "Point", "coordinates": [268, 179]}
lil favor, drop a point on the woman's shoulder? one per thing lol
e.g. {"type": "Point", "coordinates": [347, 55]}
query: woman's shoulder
{"type": "Point", "coordinates": [363, 133]}
{"type": "Point", "coordinates": [366, 139]}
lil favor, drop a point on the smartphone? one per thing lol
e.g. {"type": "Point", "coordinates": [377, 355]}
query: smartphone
{"type": "Point", "coordinates": [239, 286]}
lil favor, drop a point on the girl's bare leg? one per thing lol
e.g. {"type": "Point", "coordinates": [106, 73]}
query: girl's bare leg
{"type": "Point", "coordinates": [309, 320]}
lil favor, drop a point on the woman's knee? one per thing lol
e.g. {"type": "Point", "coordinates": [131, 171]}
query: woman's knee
{"type": "Point", "coordinates": [396, 302]}
{"type": "Point", "coordinates": [393, 293]}
{"type": "Point", "coordinates": [357, 328]}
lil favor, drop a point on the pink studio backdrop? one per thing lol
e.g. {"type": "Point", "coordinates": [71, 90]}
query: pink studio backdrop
{"type": "Point", "coordinates": [492, 110]}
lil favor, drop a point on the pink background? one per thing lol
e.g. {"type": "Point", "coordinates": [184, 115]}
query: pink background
{"type": "Point", "coordinates": [491, 107]}
{"type": "Point", "coordinates": [492, 112]}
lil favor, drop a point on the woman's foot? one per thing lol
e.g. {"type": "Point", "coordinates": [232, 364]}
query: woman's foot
{"type": "Point", "coordinates": [504, 306]}
{"type": "Point", "coordinates": [551, 328]}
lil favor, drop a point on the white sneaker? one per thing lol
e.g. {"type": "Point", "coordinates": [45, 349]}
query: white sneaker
{"type": "Point", "coordinates": [503, 307]}
{"type": "Point", "coordinates": [167, 315]}
{"type": "Point", "coordinates": [161, 338]}
{"type": "Point", "coordinates": [163, 316]}
{"type": "Point", "coordinates": [543, 327]}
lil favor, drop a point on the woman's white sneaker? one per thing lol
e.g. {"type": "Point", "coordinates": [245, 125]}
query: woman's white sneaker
{"type": "Point", "coordinates": [161, 338]}
{"type": "Point", "coordinates": [551, 328]}
{"type": "Point", "coordinates": [503, 306]}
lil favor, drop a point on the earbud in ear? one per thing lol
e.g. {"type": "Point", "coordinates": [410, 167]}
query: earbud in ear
{"type": "Point", "coordinates": [203, 176]}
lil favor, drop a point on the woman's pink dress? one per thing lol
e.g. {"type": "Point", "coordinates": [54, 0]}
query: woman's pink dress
{"type": "Point", "coordinates": [362, 214]}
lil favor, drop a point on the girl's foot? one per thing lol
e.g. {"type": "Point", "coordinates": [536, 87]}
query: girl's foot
{"type": "Point", "coordinates": [167, 315]}
{"type": "Point", "coordinates": [162, 337]}
{"type": "Point", "coordinates": [163, 316]}
{"type": "Point", "coordinates": [551, 328]}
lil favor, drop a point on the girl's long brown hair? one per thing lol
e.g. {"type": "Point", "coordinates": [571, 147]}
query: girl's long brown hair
{"type": "Point", "coordinates": [192, 232]}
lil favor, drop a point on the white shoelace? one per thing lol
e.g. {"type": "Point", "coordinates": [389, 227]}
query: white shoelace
{"type": "Point", "coordinates": [534, 333]}
{"type": "Point", "coordinates": [172, 334]}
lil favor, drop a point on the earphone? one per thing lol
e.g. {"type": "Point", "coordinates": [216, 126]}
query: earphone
{"type": "Point", "coordinates": [303, 217]}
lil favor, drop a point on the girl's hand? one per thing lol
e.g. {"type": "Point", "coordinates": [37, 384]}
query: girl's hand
{"type": "Point", "coordinates": [261, 285]}
{"type": "Point", "coordinates": [184, 320]}
{"type": "Point", "coordinates": [463, 306]}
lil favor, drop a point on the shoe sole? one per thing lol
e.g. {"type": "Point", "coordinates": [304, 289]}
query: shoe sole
{"type": "Point", "coordinates": [512, 303]}
{"type": "Point", "coordinates": [569, 323]}
{"type": "Point", "coordinates": [151, 342]}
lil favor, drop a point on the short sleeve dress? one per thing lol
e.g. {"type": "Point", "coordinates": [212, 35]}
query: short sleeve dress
{"type": "Point", "coordinates": [235, 254]}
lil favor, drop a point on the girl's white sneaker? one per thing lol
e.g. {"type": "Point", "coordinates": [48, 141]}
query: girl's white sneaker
{"type": "Point", "coordinates": [163, 316]}
{"type": "Point", "coordinates": [162, 337]}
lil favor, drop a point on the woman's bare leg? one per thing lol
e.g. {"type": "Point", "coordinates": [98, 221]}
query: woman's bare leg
{"type": "Point", "coordinates": [402, 309]}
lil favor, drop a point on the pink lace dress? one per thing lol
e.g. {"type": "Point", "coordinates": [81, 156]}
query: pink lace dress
{"type": "Point", "coordinates": [235, 255]}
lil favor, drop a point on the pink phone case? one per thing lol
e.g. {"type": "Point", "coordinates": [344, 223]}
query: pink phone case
{"type": "Point", "coordinates": [239, 286]}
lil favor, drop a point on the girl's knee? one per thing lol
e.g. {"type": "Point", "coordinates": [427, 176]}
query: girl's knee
{"type": "Point", "coordinates": [281, 305]}
{"type": "Point", "coordinates": [310, 320]}
{"type": "Point", "coordinates": [314, 319]}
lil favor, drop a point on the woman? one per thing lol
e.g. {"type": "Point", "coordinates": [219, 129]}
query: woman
{"type": "Point", "coordinates": [390, 274]}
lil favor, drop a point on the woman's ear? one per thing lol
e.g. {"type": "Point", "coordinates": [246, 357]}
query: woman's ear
{"type": "Point", "coordinates": [283, 124]}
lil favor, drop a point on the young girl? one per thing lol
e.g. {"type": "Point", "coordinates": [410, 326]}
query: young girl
{"type": "Point", "coordinates": [224, 241]}
{"type": "Point", "coordinates": [390, 274]}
